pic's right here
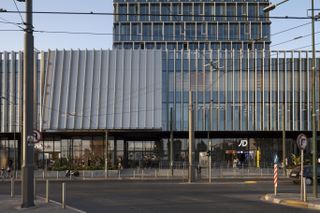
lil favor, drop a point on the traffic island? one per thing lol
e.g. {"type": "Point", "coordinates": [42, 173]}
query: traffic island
{"type": "Point", "coordinates": [293, 199]}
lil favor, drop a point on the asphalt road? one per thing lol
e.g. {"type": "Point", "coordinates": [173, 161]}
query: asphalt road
{"type": "Point", "coordinates": [166, 197]}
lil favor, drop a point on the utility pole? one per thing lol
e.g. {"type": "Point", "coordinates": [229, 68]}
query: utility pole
{"type": "Point", "coordinates": [27, 146]}
{"type": "Point", "coordinates": [314, 133]}
{"type": "Point", "coordinates": [191, 140]}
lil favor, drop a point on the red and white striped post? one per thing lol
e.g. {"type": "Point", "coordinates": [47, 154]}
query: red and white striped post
{"type": "Point", "coordinates": [275, 178]}
{"type": "Point", "coordinates": [275, 173]}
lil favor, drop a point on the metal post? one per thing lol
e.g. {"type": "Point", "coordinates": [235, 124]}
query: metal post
{"type": "Point", "coordinates": [314, 134]}
{"type": "Point", "coordinates": [12, 187]}
{"type": "Point", "coordinates": [191, 138]}
{"type": "Point", "coordinates": [14, 142]}
{"type": "Point", "coordinates": [27, 154]}
{"type": "Point", "coordinates": [34, 188]}
{"type": "Point", "coordinates": [304, 190]}
{"type": "Point", "coordinates": [171, 141]}
{"type": "Point", "coordinates": [63, 195]}
{"type": "Point", "coordinates": [301, 178]}
{"type": "Point", "coordinates": [47, 191]}
{"type": "Point", "coordinates": [106, 156]}
{"type": "Point", "coordinates": [284, 136]}
{"type": "Point", "coordinates": [210, 145]}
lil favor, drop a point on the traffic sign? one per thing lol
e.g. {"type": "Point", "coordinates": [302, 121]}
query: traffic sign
{"type": "Point", "coordinates": [36, 136]}
{"type": "Point", "coordinates": [302, 141]}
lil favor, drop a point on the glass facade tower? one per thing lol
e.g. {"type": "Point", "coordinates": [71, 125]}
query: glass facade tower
{"type": "Point", "coordinates": [186, 24]}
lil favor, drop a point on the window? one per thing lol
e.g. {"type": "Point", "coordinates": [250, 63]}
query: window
{"type": "Point", "coordinates": [133, 11]}
{"type": "Point", "coordinates": [242, 12]}
{"type": "Point", "coordinates": [220, 12]}
{"type": "Point", "coordinates": [122, 12]}
{"type": "Point", "coordinates": [125, 32]}
{"type": "Point", "coordinates": [198, 12]}
{"type": "Point", "coordinates": [154, 12]}
{"type": "Point", "coordinates": [252, 12]}
{"type": "Point", "coordinates": [144, 12]}
{"type": "Point", "coordinates": [231, 11]}
{"type": "Point", "coordinates": [187, 12]}
{"type": "Point", "coordinates": [212, 31]}
{"type": "Point", "coordinates": [157, 32]}
{"type": "Point", "coordinates": [136, 32]}
{"type": "Point", "coordinates": [190, 32]}
{"type": "Point", "coordinates": [234, 32]}
{"type": "Point", "coordinates": [176, 9]}
{"type": "Point", "coordinates": [146, 32]}
{"type": "Point", "coordinates": [165, 10]}
{"type": "Point", "coordinates": [168, 32]}
{"type": "Point", "coordinates": [179, 32]}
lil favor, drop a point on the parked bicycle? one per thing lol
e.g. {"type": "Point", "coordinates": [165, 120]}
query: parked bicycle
{"type": "Point", "coordinates": [71, 173]}
{"type": "Point", "coordinates": [4, 174]}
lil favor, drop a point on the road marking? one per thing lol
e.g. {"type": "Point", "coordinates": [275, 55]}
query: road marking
{"type": "Point", "coordinates": [250, 182]}
{"type": "Point", "coordinates": [59, 204]}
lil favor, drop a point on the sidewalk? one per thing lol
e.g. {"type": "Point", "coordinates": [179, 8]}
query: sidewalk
{"type": "Point", "coordinates": [11, 205]}
{"type": "Point", "coordinates": [293, 199]}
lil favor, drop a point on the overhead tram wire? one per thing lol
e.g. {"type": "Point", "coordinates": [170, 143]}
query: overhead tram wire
{"type": "Point", "coordinates": [18, 10]}
{"type": "Point", "coordinates": [289, 29]}
{"type": "Point", "coordinates": [138, 14]}
{"type": "Point", "coordinates": [294, 39]}
{"type": "Point", "coordinates": [5, 21]}
{"type": "Point", "coordinates": [10, 30]}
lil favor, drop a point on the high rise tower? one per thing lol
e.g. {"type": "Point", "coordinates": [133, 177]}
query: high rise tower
{"type": "Point", "coordinates": [187, 24]}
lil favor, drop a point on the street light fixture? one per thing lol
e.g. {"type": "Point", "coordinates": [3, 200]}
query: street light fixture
{"type": "Point", "coordinates": [273, 6]}
{"type": "Point", "coordinates": [313, 67]}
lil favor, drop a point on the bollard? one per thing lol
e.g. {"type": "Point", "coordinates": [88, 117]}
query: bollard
{"type": "Point", "coordinates": [47, 191]}
{"type": "Point", "coordinates": [83, 174]}
{"type": "Point", "coordinates": [63, 195]}
{"type": "Point", "coordinates": [43, 174]}
{"type": "Point", "coordinates": [34, 188]}
{"type": "Point", "coordinates": [91, 174]}
{"type": "Point", "coordinates": [304, 190]}
{"type": "Point", "coordinates": [119, 174]}
{"type": "Point", "coordinates": [12, 187]}
{"type": "Point", "coordinates": [142, 173]}
{"type": "Point", "coordinates": [134, 173]}
{"type": "Point", "coordinates": [155, 173]}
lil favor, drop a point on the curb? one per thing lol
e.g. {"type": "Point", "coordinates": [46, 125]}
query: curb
{"type": "Point", "coordinates": [289, 202]}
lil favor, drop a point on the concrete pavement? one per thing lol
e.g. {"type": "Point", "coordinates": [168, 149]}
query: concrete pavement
{"type": "Point", "coordinates": [11, 205]}
{"type": "Point", "coordinates": [293, 199]}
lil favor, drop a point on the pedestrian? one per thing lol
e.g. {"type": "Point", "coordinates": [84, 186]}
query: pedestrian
{"type": "Point", "coordinates": [199, 171]}
{"type": "Point", "coordinates": [8, 171]}
{"type": "Point", "coordinates": [2, 173]}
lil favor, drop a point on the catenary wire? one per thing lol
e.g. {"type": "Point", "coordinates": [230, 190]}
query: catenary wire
{"type": "Point", "coordinates": [138, 14]}
{"type": "Point", "coordinates": [18, 10]}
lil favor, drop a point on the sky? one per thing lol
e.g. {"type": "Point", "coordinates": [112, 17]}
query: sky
{"type": "Point", "coordinates": [13, 41]}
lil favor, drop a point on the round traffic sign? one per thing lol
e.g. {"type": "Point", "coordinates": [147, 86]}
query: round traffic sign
{"type": "Point", "coordinates": [36, 136]}
{"type": "Point", "coordinates": [302, 141]}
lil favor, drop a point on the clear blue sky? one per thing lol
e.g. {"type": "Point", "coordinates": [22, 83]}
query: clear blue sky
{"type": "Point", "coordinates": [14, 40]}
